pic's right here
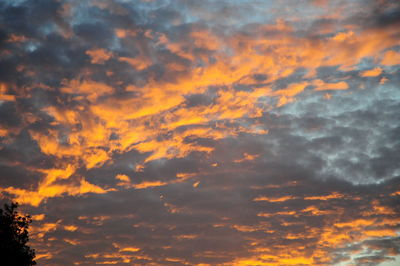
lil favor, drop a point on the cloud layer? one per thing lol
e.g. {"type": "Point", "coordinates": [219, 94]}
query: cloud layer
{"type": "Point", "coordinates": [203, 132]}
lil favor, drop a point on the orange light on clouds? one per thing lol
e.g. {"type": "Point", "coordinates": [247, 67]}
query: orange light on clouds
{"type": "Point", "coordinates": [225, 133]}
{"type": "Point", "coordinates": [99, 56]}
{"type": "Point", "coordinates": [280, 199]}
{"type": "Point", "coordinates": [391, 58]}
{"type": "Point", "coordinates": [372, 72]}
{"type": "Point", "coordinates": [322, 86]}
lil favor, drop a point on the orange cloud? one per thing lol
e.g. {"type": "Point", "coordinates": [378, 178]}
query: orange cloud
{"type": "Point", "coordinates": [43, 256]}
{"type": "Point", "coordinates": [343, 36]}
{"type": "Point", "coordinates": [41, 230]}
{"type": "Point", "coordinates": [3, 93]}
{"type": "Point", "coordinates": [49, 187]}
{"type": "Point", "coordinates": [17, 38]}
{"type": "Point", "coordinates": [5, 97]}
{"type": "Point", "coordinates": [317, 212]}
{"type": "Point", "coordinates": [92, 89]}
{"type": "Point", "coordinates": [121, 33]}
{"type": "Point", "coordinates": [280, 199]}
{"type": "Point", "coordinates": [71, 228]}
{"type": "Point", "coordinates": [123, 178]}
{"type": "Point", "coordinates": [372, 72]}
{"type": "Point", "coordinates": [38, 217]}
{"type": "Point", "coordinates": [264, 214]}
{"type": "Point", "coordinates": [125, 181]}
{"type": "Point", "coordinates": [322, 86]}
{"type": "Point", "coordinates": [95, 157]}
{"type": "Point", "coordinates": [129, 249]}
{"type": "Point", "coordinates": [381, 232]}
{"type": "Point", "coordinates": [334, 195]}
{"type": "Point", "coordinates": [99, 56]}
{"type": "Point", "coordinates": [139, 63]}
{"type": "Point", "coordinates": [391, 58]}
{"type": "Point", "coordinates": [34, 198]}
{"type": "Point", "coordinates": [144, 185]}
{"type": "Point", "coordinates": [286, 95]}
{"type": "Point", "coordinates": [71, 241]}
{"type": "Point", "coordinates": [246, 157]}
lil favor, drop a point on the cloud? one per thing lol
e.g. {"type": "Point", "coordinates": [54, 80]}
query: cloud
{"type": "Point", "coordinates": [220, 132]}
{"type": "Point", "coordinates": [391, 58]}
{"type": "Point", "coordinates": [372, 72]}
{"type": "Point", "coordinates": [98, 56]}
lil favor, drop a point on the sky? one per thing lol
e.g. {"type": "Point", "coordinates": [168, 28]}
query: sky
{"type": "Point", "coordinates": [203, 132]}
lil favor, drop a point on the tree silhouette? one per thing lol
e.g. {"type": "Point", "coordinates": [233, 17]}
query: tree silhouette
{"type": "Point", "coordinates": [14, 236]}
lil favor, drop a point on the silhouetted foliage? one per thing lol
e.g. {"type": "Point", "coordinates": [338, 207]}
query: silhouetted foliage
{"type": "Point", "coordinates": [13, 237]}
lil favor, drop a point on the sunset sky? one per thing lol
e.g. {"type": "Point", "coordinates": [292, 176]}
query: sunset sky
{"type": "Point", "coordinates": [203, 132]}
